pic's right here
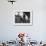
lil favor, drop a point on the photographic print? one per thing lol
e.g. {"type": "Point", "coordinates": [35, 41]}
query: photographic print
{"type": "Point", "coordinates": [23, 18]}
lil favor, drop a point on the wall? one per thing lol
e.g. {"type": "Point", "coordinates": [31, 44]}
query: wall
{"type": "Point", "coordinates": [9, 31]}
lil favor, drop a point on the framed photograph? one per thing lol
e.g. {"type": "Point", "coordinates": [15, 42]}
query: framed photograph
{"type": "Point", "coordinates": [23, 18]}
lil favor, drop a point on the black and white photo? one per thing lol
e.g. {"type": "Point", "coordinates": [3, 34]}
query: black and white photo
{"type": "Point", "coordinates": [23, 18]}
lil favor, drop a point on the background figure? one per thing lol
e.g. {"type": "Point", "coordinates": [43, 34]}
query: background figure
{"type": "Point", "coordinates": [18, 18]}
{"type": "Point", "coordinates": [26, 17]}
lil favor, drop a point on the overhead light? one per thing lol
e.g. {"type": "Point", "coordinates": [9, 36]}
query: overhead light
{"type": "Point", "coordinates": [12, 1]}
